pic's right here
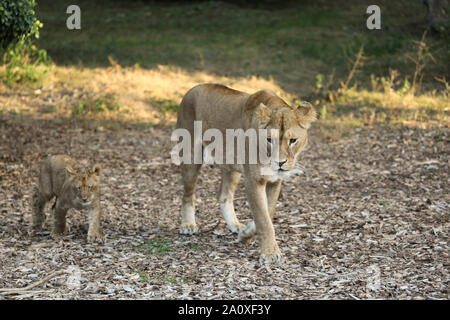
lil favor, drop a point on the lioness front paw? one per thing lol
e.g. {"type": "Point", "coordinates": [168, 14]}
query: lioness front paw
{"type": "Point", "coordinates": [271, 257]}
{"type": "Point", "coordinates": [188, 229]}
{"type": "Point", "coordinates": [96, 237]}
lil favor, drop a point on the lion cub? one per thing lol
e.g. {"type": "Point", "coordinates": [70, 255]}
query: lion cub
{"type": "Point", "coordinates": [72, 188]}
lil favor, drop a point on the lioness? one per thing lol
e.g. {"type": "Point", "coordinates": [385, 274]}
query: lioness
{"type": "Point", "coordinates": [223, 108]}
{"type": "Point", "coordinates": [72, 188]}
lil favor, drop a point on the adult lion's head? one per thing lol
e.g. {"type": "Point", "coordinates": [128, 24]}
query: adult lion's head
{"type": "Point", "coordinates": [268, 111]}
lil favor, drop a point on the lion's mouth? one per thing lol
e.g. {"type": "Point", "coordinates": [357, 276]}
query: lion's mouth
{"type": "Point", "coordinates": [85, 203]}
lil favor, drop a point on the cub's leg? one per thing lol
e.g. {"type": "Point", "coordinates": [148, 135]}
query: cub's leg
{"type": "Point", "coordinates": [257, 199]}
{"type": "Point", "coordinates": [59, 220]}
{"type": "Point", "coordinates": [41, 196]}
{"type": "Point", "coordinates": [94, 218]}
{"type": "Point", "coordinates": [230, 180]}
{"type": "Point", "coordinates": [39, 201]}
{"type": "Point", "coordinates": [190, 174]}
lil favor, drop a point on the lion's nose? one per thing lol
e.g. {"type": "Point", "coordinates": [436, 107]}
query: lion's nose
{"type": "Point", "coordinates": [280, 163]}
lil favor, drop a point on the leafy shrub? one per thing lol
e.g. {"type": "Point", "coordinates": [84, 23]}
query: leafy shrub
{"type": "Point", "coordinates": [25, 63]}
{"type": "Point", "coordinates": [17, 21]}
{"type": "Point", "coordinates": [92, 105]}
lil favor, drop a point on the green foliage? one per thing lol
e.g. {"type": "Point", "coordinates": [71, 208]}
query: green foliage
{"type": "Point", "coordinates": [168, 106]}
{"type": "Point", "coordinates": [319, 82]}
{"type": "Point", "coordinates": [156, 247]}
{"type": "Point", "coordinates": [165, 107]}
{"type": "Point", "coordinates": [25, 63]}
{"type": "Point", "coordinates": [143, 276]}
{"type": "Point", "coordinates": [17, 21]}
{"type": "Point", "coordinates": [405, 88]}
{"type": "Point", "coordinates": [94, 106]}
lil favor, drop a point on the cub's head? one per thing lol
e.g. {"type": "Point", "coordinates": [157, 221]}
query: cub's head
{"type": "Point", "coordinates": [85, 184]}
{"type": "Point", "coordinates": [292, 126]}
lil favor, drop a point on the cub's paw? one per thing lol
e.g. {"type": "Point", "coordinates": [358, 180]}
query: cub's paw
{"type": "Point", "coordinates": [57, 236]}
{"type": "Point", "coordinates": [274, 257]}
{"type": "Point", "coordinates": [246, 234]}
{"type": "Point", "coordinates": [96, 237]}
{"type": "Point", "coordinates": [236, 227]}
{"type": "Point", "coordinates": [188, 229]}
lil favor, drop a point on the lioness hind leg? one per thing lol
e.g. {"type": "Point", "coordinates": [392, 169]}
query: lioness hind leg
{"type": "Point", "coordinates": [190, 174]}
{"type": "Point", "coordinates": [230, 180]}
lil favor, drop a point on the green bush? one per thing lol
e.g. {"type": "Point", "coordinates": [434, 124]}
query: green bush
{"type": "Point", "coordinates": [23, 61]}
{"type": "Point", "coordinates": [17, 21]}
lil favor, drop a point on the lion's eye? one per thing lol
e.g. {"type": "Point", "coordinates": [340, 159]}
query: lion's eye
{"type": "Point", "coordinates": [292, 141]}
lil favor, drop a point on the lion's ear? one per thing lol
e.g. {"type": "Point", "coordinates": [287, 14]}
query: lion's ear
{"type": "Point", "coordinates": [96, 169]}
{"type": "Point", "coordinates": [263, 114]}
{"type": "Point", "coordinates": [71, 171]}
{"type": "Point", "coordinates": [305, 114]}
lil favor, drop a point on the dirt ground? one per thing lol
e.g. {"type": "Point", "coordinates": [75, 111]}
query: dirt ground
{"type": "Point", "coordinates": [369, 218]}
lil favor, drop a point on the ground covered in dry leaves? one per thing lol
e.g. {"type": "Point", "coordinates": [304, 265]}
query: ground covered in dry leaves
{"type": "Point", "coordinates": [369, 218]}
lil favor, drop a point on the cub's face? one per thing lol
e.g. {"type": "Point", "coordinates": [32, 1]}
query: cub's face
{"type": "Point", "coordinates": [85, 185]}
{"type": "Point", "coordinates": [292, 128]}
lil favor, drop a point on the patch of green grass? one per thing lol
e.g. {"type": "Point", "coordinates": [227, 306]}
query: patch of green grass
{"type": "Point", "coordinates": [291, 44]}
{"type": "Point", "coordinates": [164, 278]}
{"type": "Point", "coordinates": [307, 49]}
{"type": "Point", "coordinates": [92, 105]}
{"type": "Point", "coordinates": [156, 247]}
{"type": "Point", "coordinates": [191, 246]}
{"type": "Point", "coordinates": [166, 108]}
{"type": "Point", "coordinates": [143, 276]}
{"type": "Point", "coordinates": [24, 64]}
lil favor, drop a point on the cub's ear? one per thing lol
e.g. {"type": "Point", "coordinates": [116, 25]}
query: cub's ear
{"type": "Point", "coordinates": [71, 171]}
{"type": "Point", "coordinates": [96, 169]}
{"type": "Point", "coordinates": [305, 114]}
{"type": "Point", "coordinates": [263, 114]}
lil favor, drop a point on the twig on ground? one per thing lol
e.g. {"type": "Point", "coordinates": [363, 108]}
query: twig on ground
{"type": "Point", "coordinates": [211, 229]}
{"type": "Point", "coordinates": [7, 291]}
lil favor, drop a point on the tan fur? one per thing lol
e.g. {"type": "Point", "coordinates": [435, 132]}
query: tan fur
{"type": "Point", "coordinates": [79, 189]}
{"type": "Point", "coordinates": [223, 108]}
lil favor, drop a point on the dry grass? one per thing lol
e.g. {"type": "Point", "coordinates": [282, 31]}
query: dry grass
{"type": "Point", "coordinates": [137, 61]}
{"type": "Point", "coordinates": [138, 93]}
